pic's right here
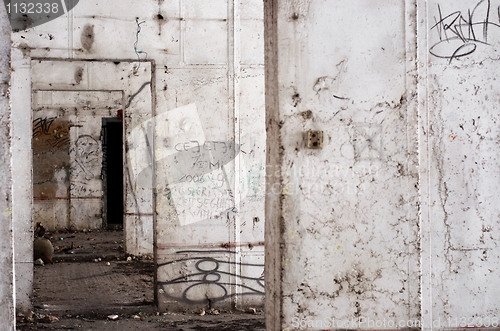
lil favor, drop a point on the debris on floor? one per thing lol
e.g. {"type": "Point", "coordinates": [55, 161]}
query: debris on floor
{"type": "Point", "coordinates": [114, 295]}
{"type": "Point", "coordinates": [113, 317]}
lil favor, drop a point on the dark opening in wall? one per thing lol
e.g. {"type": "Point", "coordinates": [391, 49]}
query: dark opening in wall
{"type": "Point", "coordinates": [112, 171]}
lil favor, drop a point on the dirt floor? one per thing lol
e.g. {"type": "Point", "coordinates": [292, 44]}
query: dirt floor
{"type": "Point", "coordinates": [94, 285]}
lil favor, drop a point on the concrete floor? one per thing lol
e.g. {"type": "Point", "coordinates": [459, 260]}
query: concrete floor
{"type": "Point", "coordinates": [81, 291]}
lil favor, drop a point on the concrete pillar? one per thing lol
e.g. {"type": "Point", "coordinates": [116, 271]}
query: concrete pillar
{"type": "Point", "coordinates": [342, 233]}
{"type": "Point", "coordinates": [7, 317]}
{"type": "Point", "coordinates": [273, 171]}
{"type": "Point", "coordinates": [22, 190]}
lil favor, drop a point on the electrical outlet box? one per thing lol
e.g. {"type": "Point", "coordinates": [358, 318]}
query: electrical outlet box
{"type": "Point", "coordinates": [314, 139]}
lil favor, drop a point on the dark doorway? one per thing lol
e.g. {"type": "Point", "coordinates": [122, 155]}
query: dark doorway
{"type": "Point", "coordinates": [112, 172]}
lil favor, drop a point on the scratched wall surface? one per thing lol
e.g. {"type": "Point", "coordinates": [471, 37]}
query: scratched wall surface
{"type": "Point", "coordinates": [198, 120]}
{"type": "Point", "coordinates": [460, 138]}
{"type": "Point", "coordinates": [348, 218]}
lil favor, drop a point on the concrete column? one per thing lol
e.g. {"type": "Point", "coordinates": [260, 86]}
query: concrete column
{"type": "Point", "coordinates": [22, 189]}
{"type": "Point", "coordinates": [273, 204]}
{"type": "Point", "coordinates": [342, 235]}
{"type": "Point", "coordinates": [7, 317]}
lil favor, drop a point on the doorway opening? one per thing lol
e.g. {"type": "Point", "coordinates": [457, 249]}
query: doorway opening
{"type": "Point", "coordinates": [112, 173]}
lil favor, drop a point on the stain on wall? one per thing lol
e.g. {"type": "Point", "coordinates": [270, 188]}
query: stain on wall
{"type": "Point", "coordinates": [51, 160]}
{"type": "Point", "coordinates": [87, 37]}
{"type": "Point", "coordinates": [79, 75]}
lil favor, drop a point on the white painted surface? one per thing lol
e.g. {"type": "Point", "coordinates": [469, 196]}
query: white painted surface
{"type": "Point", "coordinates": [347, 213]}
{"type": "Point", "coordinates": [7, 294]}
{"type": "Point", "coordinates": [22, 197]}
{"type": "Point", "coordinates": [349, 241]}
{"type": "Point", "coordinates": [460, 147]}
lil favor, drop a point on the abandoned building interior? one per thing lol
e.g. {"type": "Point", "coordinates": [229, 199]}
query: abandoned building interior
{"type": "Point", "coordinates": [334, 162]}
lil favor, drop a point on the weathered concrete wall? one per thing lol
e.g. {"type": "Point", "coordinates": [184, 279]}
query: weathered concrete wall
{"type": "Point", "coordinates": [459, 136]}
{"type": "Point", "coordinates": [348, 213]}
{"type": "Point", "coordinates": [345, 216]}
{"type": "Point", "coordinates": [196, 54]}
{"type": "Point", "coordinates": [7, 297]}
{"type": "Point", "coordinates": [211, 164]}
{"type": "Point", "coordinates": [75, 158]}
{"type": "Point", "coordinates": [67, 156]}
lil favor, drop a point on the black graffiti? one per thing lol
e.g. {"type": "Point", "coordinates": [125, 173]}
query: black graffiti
{"type": "Point", "coordinates": [42, 125]}
{"type": "Point", "coordinates": [45, 126]}
{"type": "Point", "coordinates": [85, 165]}
{"type": "Point", "coordinates": [207, 272]}
{"type": "Point", "coordinates": [460, 34]}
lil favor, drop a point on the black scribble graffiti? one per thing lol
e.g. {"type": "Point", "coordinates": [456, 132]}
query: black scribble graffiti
{"type": "Point", "coordinates": [207, 273]}
{"type": "Point", "coordinates": [57, 132]}
{"type": "Point", "coordinates": [41, 126]}
{"type": "Point", "coordinates": [86, 165]}
{"type": "Point", "coordinates": [460, 34]}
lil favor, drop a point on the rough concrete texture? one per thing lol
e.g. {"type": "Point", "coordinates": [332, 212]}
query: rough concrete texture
{"type": "Point", "coordinates": [394, 219]}
{"type": "Point", "coordinates": [350, 225]}
{"type": "Point", "coordinates": [198, 176]}
{"type": "Point", "coordinates": [6, 237]}
{"type": "Point", "coordinates": [460, 148]}
{"type": "Point", "coordinates": [350, 211]}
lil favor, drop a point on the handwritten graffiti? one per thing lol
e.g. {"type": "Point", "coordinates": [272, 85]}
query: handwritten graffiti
{"type": "Point", "coordinates": [54, 133]}
{"type": "Point", "coordinates": [460, 34]}
{"type": "Point", "coordinates": [207, 156]}
{"type": "Point", "coordinates": [85, 164]}
{"type": "Point", "coordinates": [209, 280]}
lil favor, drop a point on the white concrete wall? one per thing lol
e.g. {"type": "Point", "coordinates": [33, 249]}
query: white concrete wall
{"type": "Point", "coordinates": [7, 296]}
{"type": "Point", "coordinates": [393, 223]}
{"type": "Point", "coordinates": [162, 56]}
{"type": "Point", "coordinates": [344, 217]}
{"type": "Point", "coordinates": [210, 225]}
{"type": "Point", "coordinates": [346, 240]}
{"type": "Point", "coordinates": [459, 137]}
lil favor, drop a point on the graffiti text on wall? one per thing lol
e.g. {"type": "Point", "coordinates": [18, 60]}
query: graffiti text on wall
{"type": "Point", "coordinates": [460, 34]}
{"type": "Point", "coordinates": [208, 280]}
